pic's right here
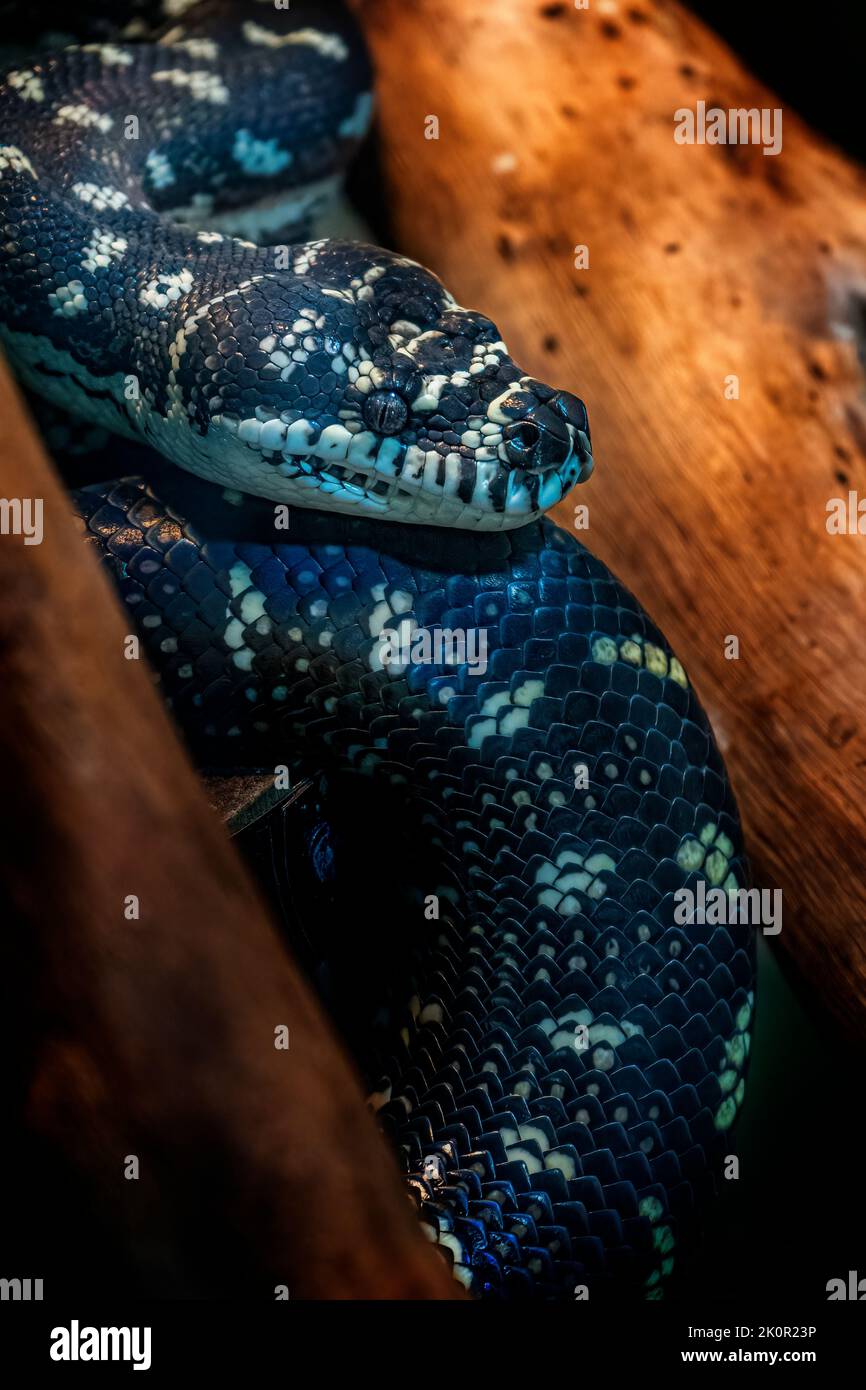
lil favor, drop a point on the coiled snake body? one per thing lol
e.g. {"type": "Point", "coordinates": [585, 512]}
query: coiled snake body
{"type": "Point", "coordinates": [490, 840]}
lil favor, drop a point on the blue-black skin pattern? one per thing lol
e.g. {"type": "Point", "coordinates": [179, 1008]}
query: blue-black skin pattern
{"type": "Point", "coordinates": [196, 138]}
{"type": "Point", "coordinates": [628, 1143]}
{"type": "Point", "coordinates": [541, 1164]}
{"type": "Point", "coordinates": [178, 336]}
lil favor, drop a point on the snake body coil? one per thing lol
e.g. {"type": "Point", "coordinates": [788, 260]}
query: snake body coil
{"type": "Point", "coordinates": [557, 1055]}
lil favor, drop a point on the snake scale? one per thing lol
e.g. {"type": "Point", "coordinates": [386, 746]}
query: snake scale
{"type": "Point", "coordinates": [484, 844]}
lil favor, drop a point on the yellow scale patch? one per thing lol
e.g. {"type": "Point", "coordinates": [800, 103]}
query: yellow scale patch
{"type": "Point", "coordinates": [731, 1077]}
{"type": "Point", "coordinates": [711, 852]}
{"type": "Point", "coordinates": [637, 652]}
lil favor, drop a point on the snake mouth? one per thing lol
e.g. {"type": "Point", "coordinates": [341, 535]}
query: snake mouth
{"type": "Point", "coordinates": [333, 468]}
{"type": "Point", "coordinates": [330, 478]}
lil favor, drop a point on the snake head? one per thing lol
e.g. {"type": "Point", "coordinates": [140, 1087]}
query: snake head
{"type": "Point", "coordinates": [475, 442]}
{"type": "Point", "coordinates": [378, 395]}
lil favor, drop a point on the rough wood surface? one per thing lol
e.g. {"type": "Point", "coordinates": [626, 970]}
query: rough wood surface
{"type": "Point", "coordinates": [555, 131]}
{"type": "Point", "coordinates": [240, 798]}
{"type": "Point", "coordinates": [155, 1037]}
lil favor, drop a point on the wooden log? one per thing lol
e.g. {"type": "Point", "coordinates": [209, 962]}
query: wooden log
{"type": "Point", "coordinates": [154, 1034]}
{"type": "Point", "coordinates": [714, 336]}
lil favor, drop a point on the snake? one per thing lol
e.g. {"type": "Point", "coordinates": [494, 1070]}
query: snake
{"type": "Point", "coordinates": [327, 524]}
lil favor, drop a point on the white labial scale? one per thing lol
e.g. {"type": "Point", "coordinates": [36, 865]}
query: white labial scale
{"type": "Point", "coordinates": [453, 474]}
{"type": "Point", "coordinates": [517, 499]}
{"type": "Point", "coordinates": [273, 435]}
{"type": "Point", "coordinates": [386, 458]}
{"type": "Point", "coordinates": [249, 431]}
{"type": "Point", "coordinates": [550, 491]}
{"type": "Point", "coordinates": [363, 449]}
{"type": "Point", "coordinates": [485, 474]}
{"type": "Point", "coordinates": [431, 470]}
{"type": "Point", "coordinates": [414, 463]}
{"type": "Point", "coordinates": [298, 437]}
{"type": "Point", "coordinates": [333, 442]}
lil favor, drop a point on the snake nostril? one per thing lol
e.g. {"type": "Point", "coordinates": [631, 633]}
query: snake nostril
{"type": "Point", "coordinates": [521, 441]}
{"type": "Point", "coordinates": [537, 444]}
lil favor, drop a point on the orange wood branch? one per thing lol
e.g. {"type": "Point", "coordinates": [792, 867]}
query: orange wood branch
{"type": "Point", "coordinates": [706, 262]}
{"type": "Point", "coordinates": [155, 1037]}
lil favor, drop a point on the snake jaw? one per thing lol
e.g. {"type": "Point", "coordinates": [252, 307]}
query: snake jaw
{"type": "Point", "coordinates": [298, 462]}
{"type": "Point", "coordinates": [343, 467]}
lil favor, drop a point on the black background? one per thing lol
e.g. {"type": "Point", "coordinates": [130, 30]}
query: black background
{"type": "Point", "coordinates": [812, 56]}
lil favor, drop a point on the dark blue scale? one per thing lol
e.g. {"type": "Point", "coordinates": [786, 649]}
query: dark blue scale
{"type": "Point", "coordinates": [554, 1167]}
{"type": "Point", "coordinates": [543, 1161]}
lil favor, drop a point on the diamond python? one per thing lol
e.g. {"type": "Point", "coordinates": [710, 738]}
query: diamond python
{"type": "Point", "coordinates": [478, 867]}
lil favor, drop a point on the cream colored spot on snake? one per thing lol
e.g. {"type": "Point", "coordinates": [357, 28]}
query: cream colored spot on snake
{"type": "Point", "coordinates": [604, 650]}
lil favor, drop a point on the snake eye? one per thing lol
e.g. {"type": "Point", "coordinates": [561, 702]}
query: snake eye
{"type": "Point", "coordinates": [385, 412]}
